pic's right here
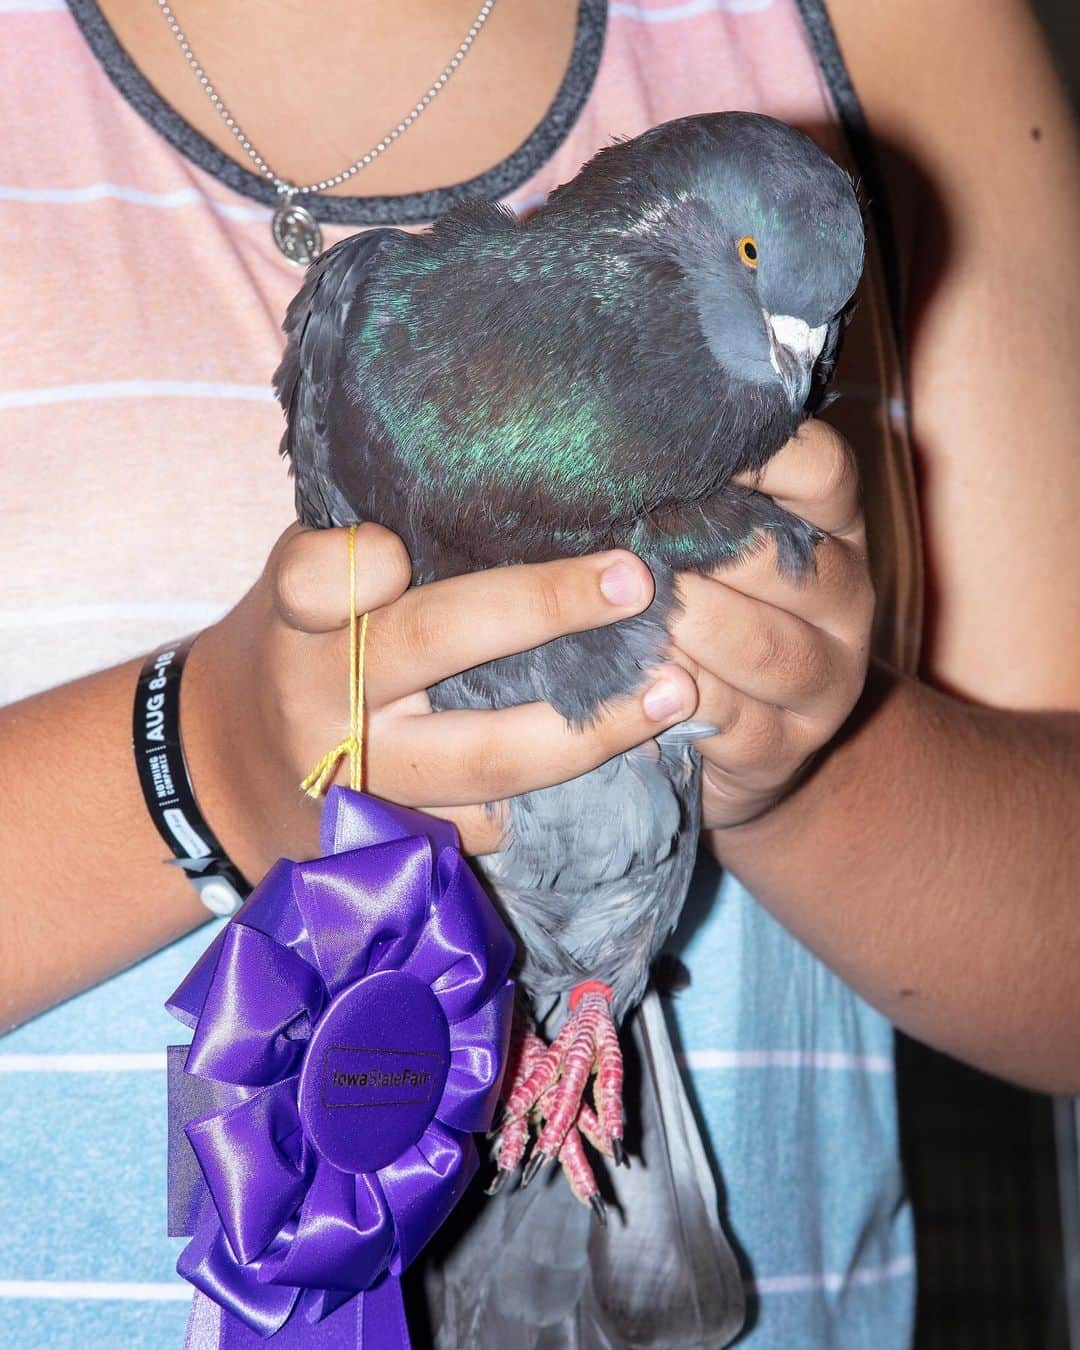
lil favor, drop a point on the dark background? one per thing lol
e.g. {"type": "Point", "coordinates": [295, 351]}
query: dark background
{"type": "Point", "coordinates": [1061, 19]}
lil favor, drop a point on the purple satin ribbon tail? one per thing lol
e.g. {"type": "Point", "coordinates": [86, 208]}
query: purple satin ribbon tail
{"type": "Point", "coordinates": [350, 1028]}
{"type": "Point", "coordinates": [374, 1320]}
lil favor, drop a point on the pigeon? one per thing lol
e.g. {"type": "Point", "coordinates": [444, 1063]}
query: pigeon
{"type": "Point", "coordinates": [504, 390]}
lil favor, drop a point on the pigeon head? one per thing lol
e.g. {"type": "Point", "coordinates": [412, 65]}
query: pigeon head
{"type": "Point", "coordinates": [763, 225]}
{"type": "Point", "coordinates": [770, 238]}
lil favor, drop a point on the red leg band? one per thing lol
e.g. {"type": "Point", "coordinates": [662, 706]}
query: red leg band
{"type": "Point", "coordinates": [590, 987]}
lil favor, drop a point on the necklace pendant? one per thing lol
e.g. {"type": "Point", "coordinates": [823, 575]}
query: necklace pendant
{"type": "Point", "coordinates": [296, 232]}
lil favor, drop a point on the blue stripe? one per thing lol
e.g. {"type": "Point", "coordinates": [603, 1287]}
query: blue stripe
{"type": "Point", "coordinates": [87, 1323]}
{"type": "Point", "coordinates": [872, 1317]}
{"type": "Point", "coordinates": [808, 1157]}
{"type": "Point", "coordinates": [82, 1178]}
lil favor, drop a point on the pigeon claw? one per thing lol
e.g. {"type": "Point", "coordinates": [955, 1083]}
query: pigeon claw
{"type": "Point", "coordinates": [512, 1144]}
{"type": "Point", "coordinates": [512, 1132]}
{"type": "Point", "coordinates": [587, 1044]}
{"type": "Point", "coordinates": [547, 1090]}
{"type": "Point", "coordinates": [497, 1181]}
{"type": "Point", "coordinates": [536, 1160]}
{"type": "Point", "coordinates": [576, 1169]}
{"type": "Point", "coordinates": [598, 1208]}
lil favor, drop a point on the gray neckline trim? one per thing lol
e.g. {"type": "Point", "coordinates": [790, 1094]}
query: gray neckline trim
{"type": "Point", "coordinates": [407, 208]}
{"type": "Point", "coordinates": [819, 30]}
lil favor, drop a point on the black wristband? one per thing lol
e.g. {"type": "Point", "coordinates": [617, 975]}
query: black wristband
{"type": "Point", "coordinates": [166, 783]}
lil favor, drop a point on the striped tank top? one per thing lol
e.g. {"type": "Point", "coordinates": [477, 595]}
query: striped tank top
{"type": "Point", "coordinates": [144, 297]}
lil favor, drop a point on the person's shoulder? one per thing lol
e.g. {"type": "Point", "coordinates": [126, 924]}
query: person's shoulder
{"type": "Point", "coordinates": [978, 152]}
{"type": "Point", "coordinates": [929, 74]}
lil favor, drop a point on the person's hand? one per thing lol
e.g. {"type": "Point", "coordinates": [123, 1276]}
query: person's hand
{"type": "Point", "coordinates": [779, 664]}
{"type": "Point", "coordinates": [265, 694]}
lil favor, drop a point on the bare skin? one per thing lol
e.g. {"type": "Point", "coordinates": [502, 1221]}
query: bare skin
{"type": "Point", "coordinates": [937, 833]}
{"type": "Point", "coordinates": [292, 627]}
{"type": "Point", "coordinates": [932, 857]}
{"type": "Point", "coordinates": [250, 739]}
{"type": "Point", "coordinates": [272, 68]}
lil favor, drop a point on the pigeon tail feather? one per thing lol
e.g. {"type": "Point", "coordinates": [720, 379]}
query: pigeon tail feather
{"type": "Point", "coordinates": [534, 1271]}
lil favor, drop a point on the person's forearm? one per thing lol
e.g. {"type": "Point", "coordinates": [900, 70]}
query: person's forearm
{"type": "Point", "coordinates": [264, 693]}
{"type": "Point", "coordinates": [933, 860]}
{"type": "Point", "coordinates": [85, 891]}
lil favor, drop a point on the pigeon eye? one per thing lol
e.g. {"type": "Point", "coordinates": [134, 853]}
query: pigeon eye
{"type": "Point", "coordinates": [748, 251]}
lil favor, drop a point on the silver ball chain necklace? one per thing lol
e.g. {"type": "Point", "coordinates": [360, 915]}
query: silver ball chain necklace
{"type": "Point", "coordinates": [296, 231]}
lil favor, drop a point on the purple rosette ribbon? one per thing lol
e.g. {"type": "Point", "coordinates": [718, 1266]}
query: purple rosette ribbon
{"type": "Point", "coordinates": [350, 1029]}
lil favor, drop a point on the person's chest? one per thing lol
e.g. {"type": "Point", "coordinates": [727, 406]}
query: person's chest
{"type": "Point", "coordinates": [314, 88]}
{"type": "Point", "coordinates": [138, 429]}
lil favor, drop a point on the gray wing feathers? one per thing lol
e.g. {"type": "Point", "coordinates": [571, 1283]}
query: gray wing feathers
{"type": "Point", "coordinates": [308, 377]}
{"type": "Point", "coordinates": [687, 1290]}
{"type": "Point", "coordinates": [597, 872]}
{"type": "Point", "coordinates": [535, 1272]}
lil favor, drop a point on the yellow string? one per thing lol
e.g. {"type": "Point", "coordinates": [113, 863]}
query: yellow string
{"type": "Point", "coordinates": [323, 774]}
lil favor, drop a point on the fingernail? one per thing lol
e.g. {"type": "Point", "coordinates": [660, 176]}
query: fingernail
{"type": "Point", "coordinates": [663, 699]}
{"type": "Point", "coordinates": [621, 584]}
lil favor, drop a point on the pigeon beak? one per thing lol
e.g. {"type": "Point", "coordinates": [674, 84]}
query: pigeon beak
{"type": "Point", "coordinates": [794, 347]}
